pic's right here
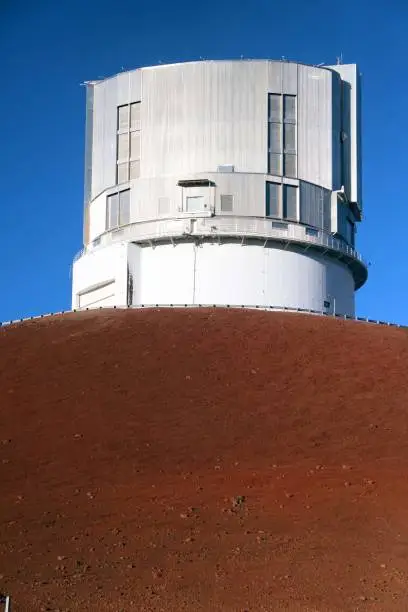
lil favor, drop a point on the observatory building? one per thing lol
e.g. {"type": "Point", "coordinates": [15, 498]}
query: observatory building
{"type": "Point", "coordinates": [222, 182]}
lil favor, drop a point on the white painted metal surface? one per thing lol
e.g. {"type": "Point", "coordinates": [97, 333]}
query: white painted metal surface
{"type": "Point", "coordinates": [96, 271]}
{"type": "Point", "coordinates": [215, 274]}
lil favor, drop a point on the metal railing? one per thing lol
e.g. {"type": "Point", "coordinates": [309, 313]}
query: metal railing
{"type": "Point", "coordinates": [323, 313]}
{"type": "Point", "coordinates": [232, 226]}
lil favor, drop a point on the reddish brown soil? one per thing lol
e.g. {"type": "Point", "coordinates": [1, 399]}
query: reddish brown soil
{"type": "Point", "coordinates": [203, 460]}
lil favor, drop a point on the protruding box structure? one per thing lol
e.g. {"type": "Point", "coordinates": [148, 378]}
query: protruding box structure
{"type": "Point", "coordinates": [222, 182]}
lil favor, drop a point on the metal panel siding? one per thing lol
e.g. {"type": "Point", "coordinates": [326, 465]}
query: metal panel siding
{"type": "Point", "coordinates": [104, 137]}
{"type": "Point", "coordinates": [88, 142]}
{"type": "Point", "coordinates": [352, 120]}
{"type": "Point", "coordinates": [129, 87]}
{"type": "Point", "coordinates": [315, 206]}
{"type": "Point", "coordinates": [343, 215]}
{"type": "Point", "coordinates": [315, 125]}
{"type": "Point", "coordinates": [231, 274]}
{"type": "Point", "coordinates": [198, 116]}
{"type": "Point", "coordinates": [289, 78]}
{"type": "Point", "coordinates": [274, 78]}
{"type": "Point", "coordinates": [336, 132]}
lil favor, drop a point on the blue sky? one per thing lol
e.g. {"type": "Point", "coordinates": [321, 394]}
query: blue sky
{"type": "Point", "coordinates": [48, 48]}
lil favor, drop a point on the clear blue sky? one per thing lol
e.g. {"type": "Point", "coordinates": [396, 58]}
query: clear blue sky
{"type": "Point", "coordinates": [47, 48]}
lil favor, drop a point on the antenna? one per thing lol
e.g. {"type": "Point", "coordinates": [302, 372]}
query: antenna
{"type": "Point", "coordinates": [339, 60]}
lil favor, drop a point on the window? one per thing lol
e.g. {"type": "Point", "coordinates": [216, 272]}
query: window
{"type": "Point", "coordinates": [289, 109]}
{"type": "Point", "coordinates": [311, 231]}
{"type": "Point", "coordinates": [273, 197]}
{"type": "Point", "coordinates": [326, 304]}
{"type": "Point", "coordinates": [118, 209]}
{"type": "Point", "coordinates": [226, 203]}
{"type": "Point", "coordinates": [290, 202]}
{"type": "Point", "coordinates": [128, 142]}
{"type": "Point", "coordinates": [282, 148]}
{"type": "Point", "coordinates": [281, 201]}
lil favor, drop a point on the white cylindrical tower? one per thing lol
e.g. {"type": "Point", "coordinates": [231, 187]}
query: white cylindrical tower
{"type": "Point", "coordinates": [222, 182]}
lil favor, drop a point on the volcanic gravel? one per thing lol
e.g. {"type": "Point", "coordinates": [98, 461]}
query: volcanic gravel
{"type": "Point", "coordinates": [203, 459]}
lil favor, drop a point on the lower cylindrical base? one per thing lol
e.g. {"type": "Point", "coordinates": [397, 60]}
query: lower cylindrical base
{"type": "Point", "coordinates": [212, 273]}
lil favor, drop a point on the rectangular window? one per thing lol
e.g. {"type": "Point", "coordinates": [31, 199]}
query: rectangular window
{"type": "Point", "coordinates": [134, 169]}
{"type": "Point", "coordinates": [275, 101]}
{"type": "Point", "coordinates": [275, 138]}
{"type": "Point", "coordinates": [226, 202]}
{"type": "Point", "coordinates": [275, 164]}
{"type": "Point", "coordinates": [123, 118]}
{"type": "Point", "coordinates": [124, 207]}
{"type": "Point", "coordinates": [282, 137]}
{"type": "Point", "coordinates": [128, 142]}
{"type": "Point", "coordinates": [135, 116]}
{"type": "Point", "coordinates": [135, 145]}
{"type": "Point", "coordinates": [290, 202]}
{"type": "Point", "coordinates": [290, 165]}
{"type": "Point", "coordinates": [123, 146]}
{"type": "Point", "coordinates": [112, 210]}
{"type": "Point", "coordinates": [118, 209]}
{"type": "Point", "coordinates": [311, 231]}
{"type": "Point", "coordinates": [289, 109]}
{"type": "Point", "coordinates": [273, 193]}
{"type": "Point", "coordinates": [290, 138]}
{"type": "Point", "coordinates": [123, 172]}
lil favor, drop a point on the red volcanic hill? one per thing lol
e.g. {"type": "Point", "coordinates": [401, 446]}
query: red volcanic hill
{"type": "Point", "coordinates": [203, 460]}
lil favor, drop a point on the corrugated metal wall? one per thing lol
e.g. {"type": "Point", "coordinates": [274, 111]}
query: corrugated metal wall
{"type": "Point", "coordinates": [352, 127]}
{"type": "Point", "coordinates": [315, 206]}
{"type": "Point", "coordinates": [201, 115]}
{"type": "Point", "coordinates": [198, 116]}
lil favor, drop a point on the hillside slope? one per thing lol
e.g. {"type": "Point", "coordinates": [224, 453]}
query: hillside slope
{"type": "Point", "coordinates": [203, 460]}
